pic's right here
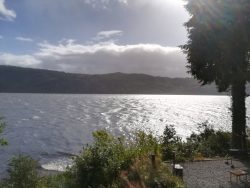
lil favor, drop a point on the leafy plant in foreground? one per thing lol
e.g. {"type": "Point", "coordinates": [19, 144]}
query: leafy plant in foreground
{"type": "Point", "coordinates": [100, 164]}
{"type": "Point", "coordinates": [2, 140]}
{"type": "Point", "coordinates": [22, 173]}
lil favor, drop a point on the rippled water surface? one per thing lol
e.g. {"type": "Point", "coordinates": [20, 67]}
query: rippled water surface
{"type": "Point", "coordinates": [51, 127]}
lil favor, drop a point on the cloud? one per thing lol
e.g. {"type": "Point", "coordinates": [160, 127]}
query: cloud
{"type": "Point", "coordinates": [24, 39]}
{"type": "Point", "coordinates": [108, 57]}
{"type": "Point", "coordinates": [102, 58]}
{"type": "Point", "coordinates": [6, 14]}
{"type": "Point", "coordinates": [161, 21]}
{"type": "Point", "coordinates": [157, 2]}
{"type": "Point", "coordinates": [107, 34]}
{"type": "Point", "coordinates": [1, 37]}
{"type": "Point", "coordinates": [104, 4]}
{"type": "Point", "coordinates": [19, 60]}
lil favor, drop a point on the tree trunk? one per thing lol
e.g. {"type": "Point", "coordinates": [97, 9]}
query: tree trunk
{"type": "Point", "coordinates": [239, 115]}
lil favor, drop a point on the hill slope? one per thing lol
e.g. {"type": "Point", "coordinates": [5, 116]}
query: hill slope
{"type": "Point", "coordinates": [26, 80]}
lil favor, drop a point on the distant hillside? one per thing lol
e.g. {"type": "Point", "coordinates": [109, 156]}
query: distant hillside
{"type": "Point", "coordinates": [26, 80]}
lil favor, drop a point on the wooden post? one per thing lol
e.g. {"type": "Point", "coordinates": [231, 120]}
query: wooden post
{"type": "Point", "coordinates": [174, 161]}
{"type": "Point", "coordinates": [153, 160]}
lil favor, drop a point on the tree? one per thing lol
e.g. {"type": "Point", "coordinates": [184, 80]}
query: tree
{"type": "Point", "coordinates": [2, 140]}
{"type": "Point", "coordinates": [22, 173]}
{"type": "Point", "coordinates": [218, 51]}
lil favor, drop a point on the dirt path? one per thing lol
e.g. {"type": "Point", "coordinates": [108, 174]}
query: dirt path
{"type": "Point", "coordinates": [211, 174]}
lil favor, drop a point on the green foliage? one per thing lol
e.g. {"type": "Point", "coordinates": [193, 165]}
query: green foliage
{"type": "Point", "coordinates": [218, 51]}
{"type": "Point", "coordinates": [158, 177]}
{"type": "Point", "coordinates": [110, 162]}
{"type": "Point", "coordinates": [209, 142]}
{"type": "Point", "coordinates": [2, 140]}
{"type": "Point", "coordinates": [206, 143]}
{"type": "Point", "coordinates": [100, 164]}
{"type": "Point", "coordinates": [22, 173]}
{"type": "Point", "coordinates": [169, 142]}
{"type": "Point", "coordinates": [56, 181]}
{"type": "Point", "coordinates": [145, 144]}
{"type": "Point", "coordinates": [214, 30]}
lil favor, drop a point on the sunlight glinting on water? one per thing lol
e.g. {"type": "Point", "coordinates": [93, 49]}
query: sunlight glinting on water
{"type": "Point", "coordinates": [49, 126]}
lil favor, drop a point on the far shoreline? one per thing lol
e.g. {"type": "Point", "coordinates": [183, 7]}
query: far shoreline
{"type": "Point", "coordinates": [167, 94]}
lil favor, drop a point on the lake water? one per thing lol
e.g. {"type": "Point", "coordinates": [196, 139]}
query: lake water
{"type": "Point", "coordinates": [51, 127]}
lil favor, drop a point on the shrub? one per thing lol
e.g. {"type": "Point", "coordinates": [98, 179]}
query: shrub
{"type": "Point", "coordinates": [170, 142]}
{"type": "Point", "coordinates": [2, 140]}
{"type": "Point", "coordinates": [111, 162]}
{"type": "Point", "coordinates": [22, 173]}
{"type": "Point", "coordinates": [56, 181]}
{"type": "Point", "coordinates": [145, 144]}
{"type": "Point", "coordinates": [159, 177]}
{"type": "Point", "coordinates": [206, 143]}
{"type": "Point", "coordinates": [100, 164]}
{"type": "Point", "coordinates": [209, 142]}
{"type": "Point", "coordinates": [104, 163]}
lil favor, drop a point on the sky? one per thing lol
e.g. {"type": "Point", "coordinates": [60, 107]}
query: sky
{"type": "Point", "coordinates": [95, 36]}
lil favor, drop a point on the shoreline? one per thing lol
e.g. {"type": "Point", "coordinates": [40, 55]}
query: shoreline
{"type": "Point", "coordinates": [44, 172]}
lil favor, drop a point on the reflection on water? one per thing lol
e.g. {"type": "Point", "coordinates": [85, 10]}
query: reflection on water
{"type": "Point", "coordinates": [48, 127]}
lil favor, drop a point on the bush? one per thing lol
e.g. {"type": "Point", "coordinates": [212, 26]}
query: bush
{"type": "Point", "coordinates": [104, 163]}
{"type": "Point", "coordinates": [2, 125]}
{"type": "Point", "coordinates": [209, 142]}
{"type": "Point", "coordinates": [56, 181]}
{"type": "Point", "coordinates": [110, 161]}
{"type": "Point", "coordinates": [145, 144]}
{"type": "Point", "coordinates": [159, 177]}
{"type": "Point", "coordinates": [170, 142]}
{"type": "Point", "coordinates": [22, 173]}
{"type": "Point", "coordinates": [206, 143]}
{"type": "Point", "coordinates": [100, 164]}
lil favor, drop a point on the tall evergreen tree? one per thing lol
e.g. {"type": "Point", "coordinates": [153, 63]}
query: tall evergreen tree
{"type": "Point", "coordinates": [218, 51]}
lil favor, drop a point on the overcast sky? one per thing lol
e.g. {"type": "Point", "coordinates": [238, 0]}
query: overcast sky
{"type": "Point", "coordinates": [94, 36]}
